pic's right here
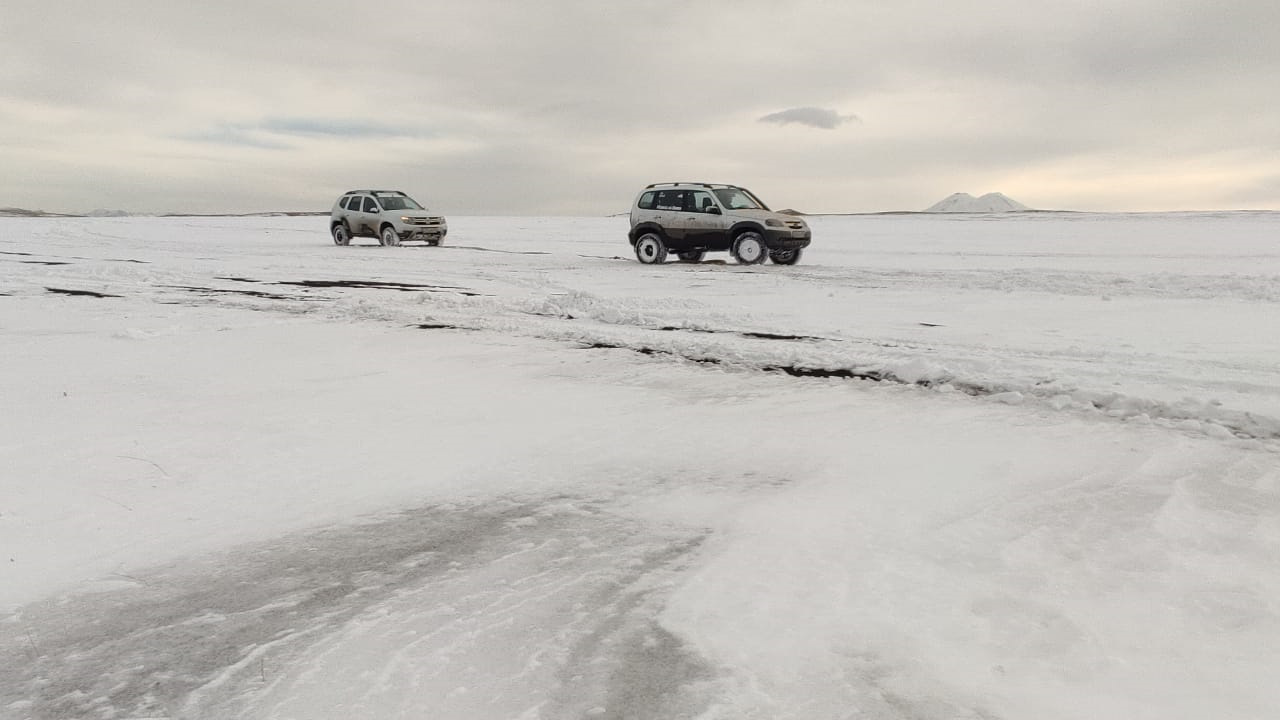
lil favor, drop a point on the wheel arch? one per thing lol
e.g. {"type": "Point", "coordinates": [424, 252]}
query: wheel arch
{"type": "Point", "coordinates": [746, 226]}
{"type": "Point", "coordinates": [646, 227]}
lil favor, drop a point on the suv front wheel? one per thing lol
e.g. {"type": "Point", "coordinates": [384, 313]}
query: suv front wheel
{"type": "Point", "coordinates": [784, 257]}
{"type": "Point", "coordinates": [650, 249]}
{"type": "Point", "coordinates": [749, 249]}
{"type": "Point", "coordinates": [389, 236]}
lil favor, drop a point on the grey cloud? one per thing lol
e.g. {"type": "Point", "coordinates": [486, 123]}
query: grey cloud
{"type": "Point", "coordinates": [811, 116]}
{"type": "Point", "coordinates": [335, 128]}
{"type": "Point", "coordinates": [611, 95]}
{"type": "Point", "coordinates": [233, 135]}
{"type": "Point", "coordinates": [267, 134]}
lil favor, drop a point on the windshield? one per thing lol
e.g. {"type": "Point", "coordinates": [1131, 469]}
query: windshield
{"type": "Point", "coordinates": [738, 199]}
{"type": "Point", "coordinates": [398, 202]}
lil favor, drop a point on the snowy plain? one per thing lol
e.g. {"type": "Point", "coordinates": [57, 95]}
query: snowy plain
{"type": "Point", "coordinates": [963, 466]}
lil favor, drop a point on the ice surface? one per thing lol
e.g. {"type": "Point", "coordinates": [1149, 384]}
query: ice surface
{"type": "Point", "coordinates": [947, 467]}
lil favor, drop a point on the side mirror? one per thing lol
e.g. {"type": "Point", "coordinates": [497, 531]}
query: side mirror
{"type": "Point", "coordinates": [712, 210]}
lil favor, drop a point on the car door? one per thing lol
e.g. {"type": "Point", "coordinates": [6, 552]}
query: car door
{"type": "Point", "coordinates": [346, 211]}
{"type": "Point", "coordinates": [355, 214]}
{"type": "Point", "coordinates": [669, 212]}
{"type": "Point", "coordinates": [369, 216]}
{"type": "Point", "coordinates": [706, 223]}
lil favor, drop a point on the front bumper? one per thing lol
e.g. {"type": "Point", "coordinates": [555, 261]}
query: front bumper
{"type": "Point", "coordinates": [786, 238]}
{"type": "Point", "coordinates": [427, 234]}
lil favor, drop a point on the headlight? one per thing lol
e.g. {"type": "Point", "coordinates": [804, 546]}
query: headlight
{"type": "Point", "coordinates": [773, 222]}
{"type": "Point", "coordinates": [404, 218]}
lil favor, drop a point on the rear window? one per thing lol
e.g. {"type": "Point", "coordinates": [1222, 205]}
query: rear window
{"type": "Point", "coordinates": [646, 200]}
{"type": "Point", "coordinates": [670, 200]}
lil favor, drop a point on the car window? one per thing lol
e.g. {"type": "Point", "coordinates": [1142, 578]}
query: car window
{"type": "Point", "coordinates": [646, 200]}
{"type": "Point", "coordinates": [700, 200]}
{"type": "Point", "coordinates": [736, 199]}
{"type": "Point", "coordinates": [370, 206]}
{"type": "Point", "coordinates": [670, 200]}
{"type": "Point", "coordinates": [343, 202]}
{"type": "Point", "coordinates": [398, 201]}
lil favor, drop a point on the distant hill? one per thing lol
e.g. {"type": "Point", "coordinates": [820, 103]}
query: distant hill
{"type": "Point", "coordinates": [21, 212]}
{"type": "Point", "coordinates": [964, 202]}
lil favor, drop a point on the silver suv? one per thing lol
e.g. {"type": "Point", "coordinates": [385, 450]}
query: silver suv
{"type": "Point", "coordinates": [388, 215]}
{"type": "Point", "coordinates": [692, 219]}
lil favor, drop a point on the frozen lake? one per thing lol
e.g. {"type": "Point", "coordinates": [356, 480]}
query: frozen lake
{"type": "Point", "coordinates": [969, 466]}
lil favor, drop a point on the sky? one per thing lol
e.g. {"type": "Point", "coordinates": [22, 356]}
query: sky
{"type": "Point", "coordinates": [570, 107]}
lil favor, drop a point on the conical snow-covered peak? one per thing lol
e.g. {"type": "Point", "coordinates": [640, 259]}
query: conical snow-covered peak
{"type": "Point", "coordinates": [964, 202]}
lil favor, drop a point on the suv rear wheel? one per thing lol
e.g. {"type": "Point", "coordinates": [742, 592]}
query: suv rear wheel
{"type": "Point", "coordinates": [749, 249]}
{"type": "Point", "coordinates": [388, 236]}
{"type": "Point", "coordinates": [340, 235]}
{"type": "Point", "coordinates": [650, 249]}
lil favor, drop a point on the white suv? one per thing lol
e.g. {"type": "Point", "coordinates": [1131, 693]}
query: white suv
{"type": "Point", "coordinates": [691, 219]}
{"type": "Point", "coordinates": [388, 215]}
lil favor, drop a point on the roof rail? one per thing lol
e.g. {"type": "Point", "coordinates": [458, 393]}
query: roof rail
{"type": "Point", "coordinates": [700, 184]}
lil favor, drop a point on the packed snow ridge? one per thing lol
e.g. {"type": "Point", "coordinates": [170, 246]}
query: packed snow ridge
{"type": "Point", "coordinates": [964, 202]}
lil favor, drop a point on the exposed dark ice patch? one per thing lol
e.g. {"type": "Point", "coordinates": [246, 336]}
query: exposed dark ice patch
{"type": "Point", "coordinates": [80, 293]}
{"type": "Point", "coordinates": [800, 371]}
{"type": "Point", "coordinates": [228, 291]}
{"type": "Point", "coordinates": [379, 285]}
{"type": "Point", "coordinates": [649, 351]}
{"type": "Point", "coordinates": [756, 335]}
{"type": "Point", "coordinates": [492, 250]}
{"type": "Point", "coordinates": [72, 257]}
{"type": "Point", "coordinates": [842, 373]}
{"type": "Point", "coordinates": [44, 262]}
{"type": "Point", "coordinates": [232, 278]}
{"type": "Point", "coordinates": [778, 336]}
{"type": "Point", "coordinates": [438, 326]}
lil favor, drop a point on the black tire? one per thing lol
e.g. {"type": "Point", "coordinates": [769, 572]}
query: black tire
{"type": "Point", "coordinates": [650, 249]}
{"type": "Point", "coordinates": [693, 256]}
{"type": "Point", "coordinates": [341, 236]}
{"type": "Point", "coordinates": [388, 237]}
{"type": "Point", "coordinates": [749, 248]}
{"type": "Point", "coordinates": [785, 257]}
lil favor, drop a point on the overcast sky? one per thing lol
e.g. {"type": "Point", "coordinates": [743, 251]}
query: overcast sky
{"type": "Point", "coordinates": [571, 106]}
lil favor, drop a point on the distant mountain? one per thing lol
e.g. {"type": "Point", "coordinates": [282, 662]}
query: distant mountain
{"type": "Point", "coordinates": [989, 203]}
